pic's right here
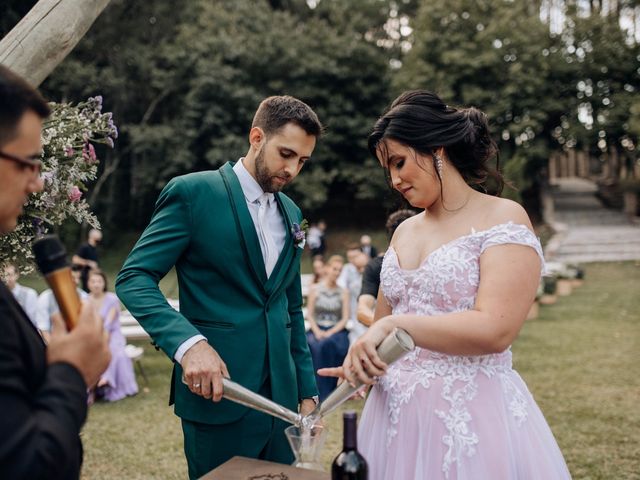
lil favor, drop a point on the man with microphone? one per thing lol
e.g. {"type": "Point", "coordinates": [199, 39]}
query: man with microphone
{"type": "Point", "coordinates": [43, 389]}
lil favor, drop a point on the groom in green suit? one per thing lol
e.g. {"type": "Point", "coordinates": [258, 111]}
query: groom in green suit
{"type": "Point", "coordinates": [230, 235]}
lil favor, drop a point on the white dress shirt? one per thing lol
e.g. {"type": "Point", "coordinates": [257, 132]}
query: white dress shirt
{"type": "Point", "coordinates": [47, 306]}
{"type": "Point", "coordinates": [28, 300]}
{"type": "Point", "coordinates": [274, 223]}
{"type": "Point", "coordinates": [252, 192]}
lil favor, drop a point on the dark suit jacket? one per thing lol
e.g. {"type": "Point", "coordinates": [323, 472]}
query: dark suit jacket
{"type": "Point", "coordinates": [373, 251]}
{"type": "Point", "coordinates": [42, 407]}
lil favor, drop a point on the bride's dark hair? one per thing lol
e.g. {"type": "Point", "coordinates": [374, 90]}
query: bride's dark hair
{"type": "Point", "coordinates": [422, 121]}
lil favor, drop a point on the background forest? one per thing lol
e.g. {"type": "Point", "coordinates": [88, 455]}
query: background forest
{"type": "Point", "coordinates": [183, 78]}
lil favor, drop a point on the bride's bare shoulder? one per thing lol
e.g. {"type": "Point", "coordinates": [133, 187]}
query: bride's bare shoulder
{"type": "Point", "coordinates": [503, 210]}
{"type": "Point", "coordinates": [406, 228]}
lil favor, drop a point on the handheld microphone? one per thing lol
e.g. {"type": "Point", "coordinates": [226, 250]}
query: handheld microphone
{"type": "Point", "coordinates": [51, 258]}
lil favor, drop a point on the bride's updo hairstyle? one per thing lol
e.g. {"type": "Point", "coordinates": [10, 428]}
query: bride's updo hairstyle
{"type": "Point", "coordinates": [423, 122]}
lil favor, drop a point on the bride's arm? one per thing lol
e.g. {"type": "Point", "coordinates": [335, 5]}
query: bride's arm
{"type": "Point", "coordinates": [382, 307]}
{"type": "Point", "coordinates": [509, 276]}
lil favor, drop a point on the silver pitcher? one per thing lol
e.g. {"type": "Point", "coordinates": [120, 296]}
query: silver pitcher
{"type": "Point", "coordinates": [397, 344]}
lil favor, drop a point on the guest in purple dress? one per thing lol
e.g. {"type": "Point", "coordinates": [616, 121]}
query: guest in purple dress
{"type": "Point", "coordinates": [459, 277]}
{"type": "Point", "coordinates": [119, 380]}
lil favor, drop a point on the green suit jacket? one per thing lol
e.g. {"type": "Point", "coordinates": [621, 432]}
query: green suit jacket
{"type": "Point", "coordinates": [202, 225]}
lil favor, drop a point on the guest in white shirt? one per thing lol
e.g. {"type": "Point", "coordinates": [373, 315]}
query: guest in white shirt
{"type": "Point", "coordinates": [47, 307]}
{"type": "Point", "coordinates": [351, 279]}
{"type": "Point", "coordinates": [26, 297]}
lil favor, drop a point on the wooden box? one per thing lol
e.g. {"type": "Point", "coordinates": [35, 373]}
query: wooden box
{"type": "Point", "coordinates": [241, 468]}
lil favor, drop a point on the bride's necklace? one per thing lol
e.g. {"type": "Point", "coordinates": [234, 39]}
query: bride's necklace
{"type": "Point", "coordinates": [456, 210]}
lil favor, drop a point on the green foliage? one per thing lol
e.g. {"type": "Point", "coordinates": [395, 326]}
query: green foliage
{"type": "Point", "coordinates": [184, 78]}
{"type": "Point", "coordinates": [488, 54]}
{"type": "Point", "coordinates": [536, 87]}
{"type": "Point", "coordinates": [186, 104]}
{"type": "Point", "coordinates": [606, 73]}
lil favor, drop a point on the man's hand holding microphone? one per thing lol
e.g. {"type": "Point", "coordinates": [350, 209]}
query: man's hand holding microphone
{"type": "Point", "coordinates": [78, 336]}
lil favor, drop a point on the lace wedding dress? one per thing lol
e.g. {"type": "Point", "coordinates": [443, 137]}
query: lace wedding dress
{"type": "Point", "coordinates": [438, 416]}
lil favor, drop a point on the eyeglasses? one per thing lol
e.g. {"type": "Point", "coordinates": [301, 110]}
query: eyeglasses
{"type": "Point", "coordinates": [34, 165]}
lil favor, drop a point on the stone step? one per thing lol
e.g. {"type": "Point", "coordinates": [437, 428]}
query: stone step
{"type": "Point", "coordinates": [587, 231]}
{"type": "Point", "coordinates": [602, 257]}
{"type": "Point", "coordinates": [597, 252]}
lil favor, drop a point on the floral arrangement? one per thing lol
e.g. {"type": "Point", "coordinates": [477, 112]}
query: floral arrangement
{"type": "Point", "coordinates": [69, 164]}
{"type": "Point", "coordinates": [299, 233]}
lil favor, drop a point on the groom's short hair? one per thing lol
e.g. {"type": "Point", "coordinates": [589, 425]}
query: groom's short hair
{"type": "Point", "coordinates": [275, 112]}
{"type": "Point", "coordinates": [16, 98]}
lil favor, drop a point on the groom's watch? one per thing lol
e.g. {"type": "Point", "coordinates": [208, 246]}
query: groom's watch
{"type": "Point", "coordinates": [315, 398]}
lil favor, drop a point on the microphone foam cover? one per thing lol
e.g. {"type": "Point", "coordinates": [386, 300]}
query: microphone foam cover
{"type": "Point", "coordinates": [50, 254]}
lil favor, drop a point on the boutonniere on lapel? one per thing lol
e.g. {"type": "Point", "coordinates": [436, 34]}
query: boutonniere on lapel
{"type": "Point", "coordinates": [299, 233]}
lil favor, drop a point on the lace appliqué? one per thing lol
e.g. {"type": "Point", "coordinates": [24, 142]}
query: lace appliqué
{"type": "Point", "coordinates": [518, 403]}
{"type": "Point", "coordinates": [459, 375]}
{"type": "Point", "coordinates": [447, 281]}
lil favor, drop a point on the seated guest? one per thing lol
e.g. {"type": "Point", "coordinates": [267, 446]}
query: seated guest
{"type": "Point", "coordinates": [119, 380]}
{"type": "Point", "coordinates": [316, 238]}
{"type": "Point", "coordinates": [367, 248]}
{"type": "Point", "coordinates": [371, 275]}
{"type": "Point", "coordinates": [26, 297]}
{"type": "Point", "coordinates": [351, 279]}
{"type": "Point", "coordinates": [328, 313]}
{"type": "Point", "coordinates": [318, 269]}
{"type": "Point", "coordinates": [47, 307]}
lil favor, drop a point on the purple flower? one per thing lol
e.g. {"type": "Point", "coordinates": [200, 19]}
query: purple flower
{"type": "Point", "coordinates": [68, 151]}
{"type": "Point", "coordinates": [89, 153]}
{"type": "Point", "coordinates": [299, 235]}
{"type": "Point", "coordinates": [75, 194]}
{"type": "Point", "coordinates": [98, 100]}
{"type": "Point", "coordinates": [109, 141]}
{"type": "Point", "coordinates": [48, 177]}
{"type": "Point", "coordinates": [37, 225]}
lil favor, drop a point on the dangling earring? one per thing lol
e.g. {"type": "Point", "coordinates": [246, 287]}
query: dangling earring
{"type": "Point", "coordinates": [438, 164]}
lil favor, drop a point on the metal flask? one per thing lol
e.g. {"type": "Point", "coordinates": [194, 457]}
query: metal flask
{"type": "Point", "coordinates": [397, 344]}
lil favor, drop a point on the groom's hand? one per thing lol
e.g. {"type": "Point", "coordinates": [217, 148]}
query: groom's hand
{"type": "Point", "coordinates": [203, 371]}
{"type": "Point", "coordinates": [307, 406]}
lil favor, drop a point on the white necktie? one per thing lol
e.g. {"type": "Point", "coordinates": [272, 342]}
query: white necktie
{"type": "Point", "coordinates": [268, 246]}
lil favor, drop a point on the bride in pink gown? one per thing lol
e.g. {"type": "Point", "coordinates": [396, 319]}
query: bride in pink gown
{"type": "Point", "coordinates": [460, 278]}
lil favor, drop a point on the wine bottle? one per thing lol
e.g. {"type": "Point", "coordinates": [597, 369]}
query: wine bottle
{"type": "Point", "coordinates": [349, 464]}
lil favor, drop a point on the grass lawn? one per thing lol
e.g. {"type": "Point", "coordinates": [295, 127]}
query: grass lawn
{"type": "Point", "coordinates": [579, 359]}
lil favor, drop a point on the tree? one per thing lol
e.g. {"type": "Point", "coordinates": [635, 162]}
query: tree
{"type": "Point", "coordinates": [496, 56]}
{"type": "Point", "coordinates": [186, 103]}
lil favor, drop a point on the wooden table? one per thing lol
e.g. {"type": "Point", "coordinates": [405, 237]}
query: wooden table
{"type": "Point", "coordinates": [241, 468]}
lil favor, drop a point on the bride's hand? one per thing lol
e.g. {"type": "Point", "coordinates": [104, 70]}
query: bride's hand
{"type": "Point", "coordinates": [339, 373]}
{"type": "Point", "coordinates": [331, 372]}
{"type": "Point", "coordinates": [362, 361]}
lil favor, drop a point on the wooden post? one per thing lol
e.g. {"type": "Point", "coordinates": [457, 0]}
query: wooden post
{"type": "Point", "coordinates": [553, 166]}
{"type": "Point", "coordinates": [583, 164]}
{"type": "Point", "coordinates": [614, 161]}
{"type": "Point", "coordinates": [46, 35]}
{"type": "Point", "coordinates": [564, 168]}
{"type": "Point", "coordinates": [571, 163]}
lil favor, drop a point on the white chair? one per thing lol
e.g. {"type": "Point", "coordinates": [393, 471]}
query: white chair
{"type": "Point", "coordinates": [135, 354]}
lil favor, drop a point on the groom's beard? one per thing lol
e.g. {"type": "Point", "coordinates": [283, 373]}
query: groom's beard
{"type": "Point", "coordinates": [266, 178]}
